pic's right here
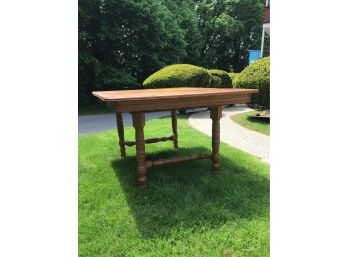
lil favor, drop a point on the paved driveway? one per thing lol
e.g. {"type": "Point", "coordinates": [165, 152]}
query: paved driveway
{"type": "Point", "coordinates": [232, 133]}
{"type": "Point", "coordinates": [96, 123]}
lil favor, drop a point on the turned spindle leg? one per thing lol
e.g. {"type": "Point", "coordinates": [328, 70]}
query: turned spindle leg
{"type": "Point", "coordinates": [120, 130]}
{"type": "Point", "coordinates": [215, 115]}
{"type": "Point", "coordinates": [138, 124]}
{"type": "Point", "coordinates": [175, 129]}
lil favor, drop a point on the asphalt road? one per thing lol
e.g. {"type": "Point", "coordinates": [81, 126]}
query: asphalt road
{"type": "Point", "coordinates": [96, 123]}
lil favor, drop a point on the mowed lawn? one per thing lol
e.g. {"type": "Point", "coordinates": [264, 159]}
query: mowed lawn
{"type": "Point", "coordinates": [247, 120]}
{"type": "Point", "coordinates": [184, 211]}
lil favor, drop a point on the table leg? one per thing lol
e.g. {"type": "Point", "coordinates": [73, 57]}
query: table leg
{"type": "Point", "coordinates": [175, 129]}
{"type": "Point", "coordinates": [138, 124]}
{"type": "Point", "coordinates": [215, 115]}
{"type": "Point", "coordinates": [120, 130]}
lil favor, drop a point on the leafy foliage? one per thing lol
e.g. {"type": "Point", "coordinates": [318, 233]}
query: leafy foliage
{"type": "Point", "coordinates": [187, 19]}
{"type": "Point", "coordinates": [233, 76]}
{"type": "Point", "coordinates": [257, 75]}
{"type": "Point", "coordinates": [179, 75]}
{"type": "Point", "coordinates": [215, 81]}
{"type": "Point", "coordinates": [122, 42]}
{"type": "Point", "coordinates": [224, 77]}
{"type": "Point", "coordinates": [229, 28]}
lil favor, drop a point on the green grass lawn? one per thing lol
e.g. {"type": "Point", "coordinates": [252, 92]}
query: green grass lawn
{"type": "Point", "coordinates": [184, 211]}
{"type": "Point", "coordinates": [246, 120]}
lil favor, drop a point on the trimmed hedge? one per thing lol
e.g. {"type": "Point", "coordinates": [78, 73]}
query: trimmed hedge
{"type": "Point", "coordinates": [215, 82]}
{"type": "Point", "coordinates": [179, 75]}
{"type": "Point", "coordinates": [187, 75]}
{"type": "Point", "coordinates": [223, 75]}
{"type": "Point", "coordinates": [257, 75]}
{"type": "Point", "coordinates": [233, 76]}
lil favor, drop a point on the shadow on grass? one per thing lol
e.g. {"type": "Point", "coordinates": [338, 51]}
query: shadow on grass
{"type": "Point", "coordinates": [258, 120]}
{"type": "Point", "coordinates": [187, 195]}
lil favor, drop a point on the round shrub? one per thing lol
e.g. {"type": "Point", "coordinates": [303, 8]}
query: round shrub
{"type": "Point", "coordinates": [256, 75]}
{"type": "Point", "coordinates": [215, 82]}
{"type": "Point", "coordinates": [178, 75]}
{"type": "Point", "coordinates": [223, 75]}
{"type": "Point", "coordinates": [233, 76]}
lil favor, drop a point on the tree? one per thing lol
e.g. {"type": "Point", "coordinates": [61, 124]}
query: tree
{"type": "Point", "coordinates": [186, 16]}
{"type": "Point", "coordinates": [230, 28]}
{"type": "Point", "coordinates": [121, 42]}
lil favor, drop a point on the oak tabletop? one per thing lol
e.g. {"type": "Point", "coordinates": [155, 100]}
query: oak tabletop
{"type": "Point", "coordinates": [170, 98]}
{"type": "Point", "coordinates": [166, 93]}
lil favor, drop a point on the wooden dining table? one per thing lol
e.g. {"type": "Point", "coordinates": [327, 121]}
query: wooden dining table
{"type": "Point", "coordinates": [138, 102]}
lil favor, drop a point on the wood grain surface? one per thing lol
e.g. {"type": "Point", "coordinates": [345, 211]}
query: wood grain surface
{"type": "Point", "coordinates": [172, 98]}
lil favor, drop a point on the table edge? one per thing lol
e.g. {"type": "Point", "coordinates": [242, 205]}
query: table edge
{"type": "Point", "coordinates": [243, 90]}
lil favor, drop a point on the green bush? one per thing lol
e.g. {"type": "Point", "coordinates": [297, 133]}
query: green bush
{"type": "Point", "coordinates": [179, 75]}
{"type": "Point", "coordinates": [233, 76]}
{"type": "Point", "coordinates": [257, 75]}
{"type": "Point", "coordinates": [223, 75]}
{"type": "Point", "coordinates": [215, 82]}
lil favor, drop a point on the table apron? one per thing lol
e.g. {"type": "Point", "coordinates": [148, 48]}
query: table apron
{"type": "Point", "coordinates": [136, 105]}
